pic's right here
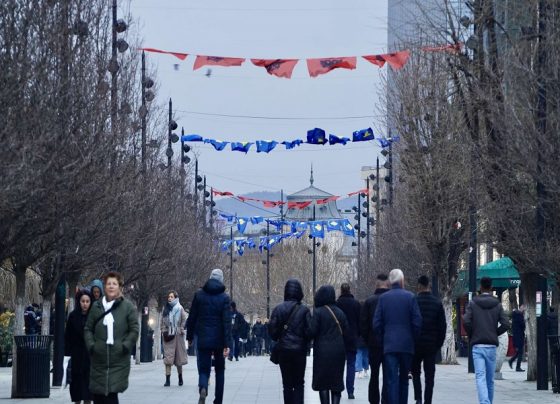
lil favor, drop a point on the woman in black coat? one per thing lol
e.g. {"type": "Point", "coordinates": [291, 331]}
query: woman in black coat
{"type": "Point", "coordinates": [291, 342]}
{"type": "Point", "coordinates": [328, 328]}
{"type": "Point", "coordinates": [75, 347]}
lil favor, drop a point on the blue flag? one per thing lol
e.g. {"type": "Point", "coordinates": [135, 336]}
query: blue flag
{"type": "Point", "coordinates": [218, 144]}
{"type": "Point", "coordinates": [192, 138]}
{"type": "Point", "coordinates": [241, 224]}
{"type": "Point", "coordinates": [241, 146]}
{"type": "Point", "coordinates": [333, 225]}
{"type": "Point", "coordinates": [251, 243]}
{"type": "Point", "coordinates": [256, 219]}
{"type": "Point", "coordinates": [317, 229]}
{"type": "Point", "coordinates": [335, 139]}
{"type": "Point", "coordinates": [262, 243]}
{"type": "Point", "coordinates": [277, 223]}
{"type": "Point", "coordinates": [395, 139]}
{"type": "Point", "coordinates": [272, 241]}
{"type": "Point", "coordinates": [225, 245]}
{"type": "Point", "coordinates": [362, 135]}
{"type": "Point", "coordinates": [298, 234]}
{"type": "Point", "coordinates": [229, 218]}
{"type": "Point", "coordinates": [383, 142]}
{"type": "Point", "coordinates": [292, 144]}
{"type": "Point", "coordinates": [347, 228]}
{"type": "Point", "coordinates": [316, 136]}
{"type": "Point", "coordinates": [265, 146]}
{"type": "Point", "coordinates": [240, 246]}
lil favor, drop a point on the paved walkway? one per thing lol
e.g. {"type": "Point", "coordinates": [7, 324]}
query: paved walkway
{"type": "Point", "coordinates": [257, 380]}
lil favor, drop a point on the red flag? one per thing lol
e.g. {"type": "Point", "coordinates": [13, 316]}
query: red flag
{"type": "Point", "coordinates": [451, 48]}
{"type": "Point", "coordinates": [216, 61]}
{"type": "Point", "coordinates": [277, 67]}
{"type": "Point", "coordinates": [397, 59]}
{"type": "Point", "coordinates": [298, 205]}
{"type": "Point", "coordinates": [219, 193]}
{"type": "Point", "coordinates": [325, 65]}
{"type": "Point", "coordinates": [377, 60]}
{"type": "Point", "coordinates": [327, 200]}
{"type": "Point", "coordinates": [361, 191]}
{"type": "Point", "coordinates": [178, 55]}
{"type": "Point", "coordinates": [269, 204]}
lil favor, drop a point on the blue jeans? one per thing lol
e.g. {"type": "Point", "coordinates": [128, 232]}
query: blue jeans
{"type": "Point", "coordinates": [362, 359]}
{"type": "Point", "coordinates": [484, 360]}
{"type": "Point", "coordinates": [204, 363]}
{"type": "Point", "coordinates": [350, 371]}
{"type": "Point", "coordinates": [398, 365]}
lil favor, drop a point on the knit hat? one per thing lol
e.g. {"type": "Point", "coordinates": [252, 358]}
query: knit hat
{"type": "Point", "coordinates": [218, 275]}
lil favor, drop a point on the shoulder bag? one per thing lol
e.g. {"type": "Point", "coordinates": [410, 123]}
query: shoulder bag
{"type": "Point", "coordinates": [335, 319]}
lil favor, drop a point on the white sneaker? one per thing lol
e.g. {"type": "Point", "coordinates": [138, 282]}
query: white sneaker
{"type": "Point", "coordinates": [366, 375]}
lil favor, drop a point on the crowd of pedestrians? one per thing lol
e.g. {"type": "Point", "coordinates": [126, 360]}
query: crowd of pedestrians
{"type": "Point", "coordinates": [394, 331]}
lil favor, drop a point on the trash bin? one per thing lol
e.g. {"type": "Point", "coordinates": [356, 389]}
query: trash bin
{"type": "Point", "coordinates": [33, 366]}
{"type": "Point", "coordinates": [554, 344]}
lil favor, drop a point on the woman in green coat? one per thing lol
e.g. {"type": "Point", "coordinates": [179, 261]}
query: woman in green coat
{"type": "Point", "coordinates": [110, 333]}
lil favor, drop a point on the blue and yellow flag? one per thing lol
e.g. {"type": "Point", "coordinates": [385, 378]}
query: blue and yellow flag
{"type": "Point", "coordinates": [362, 135]}
{"type": "Point", "coordinates": [316, 136]}
{"type": "Point", "coordinates": [335, 139]}
{"type": "Point", "coordinates": [241, 146]}
{"type": "Point", "coordinates": [317, 229]}
{"type": "Point", "coordinates": [218, 144]}
{"type": "Point", "coordinates": [266, 146]}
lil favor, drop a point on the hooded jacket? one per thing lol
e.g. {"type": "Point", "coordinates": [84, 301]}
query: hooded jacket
{"type": "Point", "coordinates": [210, 317]}
{"type": "Point", "coordinates": [481, 320]}
{"type": "Point", "coordinates": [294, 338]}
{"type": "Point", "coordinates": [96, 283]}
{"type": "Point", "coordinates": [371, 338]}
{"type": "Point", "coordinates": [351, 308]}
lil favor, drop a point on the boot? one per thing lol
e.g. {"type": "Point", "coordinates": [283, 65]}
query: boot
{"type": "Point", "coordinates": [167, 381]}
{"type": "Point", "coordinates": [335, 397]}
{"type": "Point", "coordinates": [180, 379]}
{"type": "Point", "coordinates": [324, 396]}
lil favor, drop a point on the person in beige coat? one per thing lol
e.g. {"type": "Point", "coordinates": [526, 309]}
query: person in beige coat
{"type": "Point", "coordinates": [173, 330]}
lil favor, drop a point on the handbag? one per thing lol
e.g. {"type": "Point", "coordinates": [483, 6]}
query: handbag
{"type": "Point", "coordinates": [335, 319]}
{"type": "Point", "coordinates": [167, 337]}
{"type": "Point", "coordinates": [274, 351]}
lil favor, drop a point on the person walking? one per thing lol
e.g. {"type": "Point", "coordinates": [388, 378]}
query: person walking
{"type": "Point", "coordinates": [432, 335]}
{"type": "Point", "coordinates": [75, 348]}
{"type": "Point", "coordinates": [374, 341]}
{"type": "Point", "coordinates": [110, 333]}
{"type": "Point", "coordinates": [174, 344]}
{"type": "Point", "coordinates": [210, 321]}
{"type": "Point", "coordinates": [362, 359]}
{"type": "Point", "coordinates": [259, 331]}
{"type": "Point", "coordinates": [351, 309]}
{"type": "Point", "coordinates": [397, 319]}
{"type": "Point", "coordinates": [328, 328]}
{"type": "Point", "coordinates": [518, 331]}
{"type": "Point", "coordinates": [288, 327]}
{"type": "Point", "coordinates": [237, 329]}
{"type": "Point", "coordinates": [481, 320]}
{"type": "Point", "coordinates": [96, 289]}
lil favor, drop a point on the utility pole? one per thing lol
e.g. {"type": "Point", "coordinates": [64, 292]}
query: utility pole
{"type": "Point", "coordinates": [367, 227]}
{"type": "Point", "coordinates": [169, 151]}
{"type": "Point", "coordinates": [359, 216]}
{"type": "Point", "coordinates": [143, 113]}
{"type": "Point", "coordinates": [267, 271]}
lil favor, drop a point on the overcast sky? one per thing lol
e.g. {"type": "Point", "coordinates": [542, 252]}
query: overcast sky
{"type": "Point", "coordinates": [258, 29]}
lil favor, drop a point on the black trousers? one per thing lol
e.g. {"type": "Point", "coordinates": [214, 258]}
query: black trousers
{"type": "Point", "coordinates": [518, 355]}
{"type": "Point", "coordinates": [429, 360]}
{"type": "Point", "coordinates": [112, 398]}
{"type": "Point", "coordinates": [375, 361]}
{"type": "Point", "coordinates": [292, 365]}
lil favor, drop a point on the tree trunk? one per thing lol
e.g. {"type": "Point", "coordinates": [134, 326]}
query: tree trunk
{"type": "Point", "coordinates": [19, 324]}
{"type": "Point", "coordinates": [46, 316]}
{"type": "Point", "coordinates": [529, 294]}
{"type": "Point", "coordinates": [139, 341]}
{"type": "Point", "coordinates": [448, 351]}
{"type": "Point", "coordinates": [157, 336]}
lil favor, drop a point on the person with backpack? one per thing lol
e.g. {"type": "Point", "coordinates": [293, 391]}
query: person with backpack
{"type": "Point", "coordinates": [287, 327]}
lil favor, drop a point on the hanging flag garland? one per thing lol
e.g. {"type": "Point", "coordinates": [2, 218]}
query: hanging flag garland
{"type": "Point", "coordinates": [316, 136]}
{"type": "Point", "coordinates": [316, 229]}
{"type": "Point", "coordinates": [285, 67]}
{"type": "Point", "coordinates": [273, 204]}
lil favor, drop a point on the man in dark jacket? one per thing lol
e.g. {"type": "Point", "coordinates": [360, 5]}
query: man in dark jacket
{"type": "Point", "coordinates": [258, 336]}
{"type": "Point", "coordinates": [210, 320]}
{"type": "Point", "coordinates": [481, 320]}
{"type": "Point", "coordinates": [430, 341]}
{"type": "Point", "coordinates": [397, 318]}
{"type": "Point", "coordinates": [373, 341]}
{"type": "Point", "coordinates": [518, 331]}
{"type": "Point", "coordinates": [351, 308]}
{"type": "Point", "coordinates": [238, 326]}
{"type": "Point", "coordinates": [288, 326]}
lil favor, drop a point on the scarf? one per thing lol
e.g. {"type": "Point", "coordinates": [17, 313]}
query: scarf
{"type": "Point", "coordinates": [108, 320]}
{"type": "Point", "coordinates": [174, 316]}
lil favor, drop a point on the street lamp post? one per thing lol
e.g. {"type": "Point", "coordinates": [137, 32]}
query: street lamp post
{"type": "Point", "coordinates": [231, 262]}
{"type": "Point", "coordinates": [314, 255]}
{"type": "Point", "coordinates": [267, 271]}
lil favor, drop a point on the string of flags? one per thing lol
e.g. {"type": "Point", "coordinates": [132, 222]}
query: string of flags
{"type": "Point", "coordinates": [316, 229]}
{"type": "Point", "coordinates": [316, 136]}
{"type": "Point", "coordinates": [285, 67]}
{"type": "Point", "coordinates": [274, 204]}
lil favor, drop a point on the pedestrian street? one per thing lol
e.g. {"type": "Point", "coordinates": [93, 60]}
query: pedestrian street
{"type": "Point", "coordinates": [257, 380]}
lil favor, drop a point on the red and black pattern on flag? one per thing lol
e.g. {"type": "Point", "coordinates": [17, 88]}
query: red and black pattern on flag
{"type": "Point", "coordinates": [216, 61]}
{"type": "Point", "coordinates": [277, 67]}
{"type": "Point", "coordinates": [325, 65]}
